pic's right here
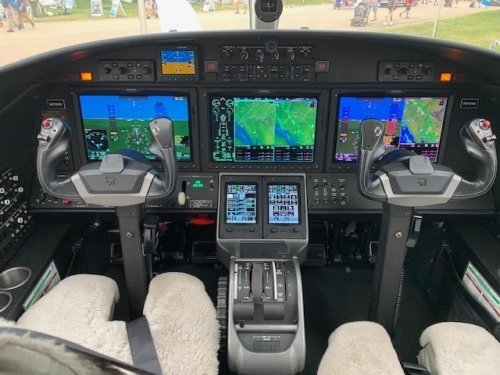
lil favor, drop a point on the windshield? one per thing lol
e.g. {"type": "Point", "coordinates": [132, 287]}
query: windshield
{"type": "Point", "coordinates": [31, 27]}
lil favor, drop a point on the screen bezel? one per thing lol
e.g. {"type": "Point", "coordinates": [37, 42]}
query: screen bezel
{"type": "Point", "coordinates": [334, 166]}
{"type": "Point", "coordinates": [257, 202]}
{"type": "Point", "coordinates": [316, 164]}
{"type": "Point", "coordinates": [299, 216]}
{"type": "Point", "coordinates": [193, 164]}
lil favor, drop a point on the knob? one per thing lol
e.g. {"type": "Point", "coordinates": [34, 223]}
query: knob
{"type": "Point", "coordinates": [276, 55]}
{"type": "Point", "coordinates": [290, 55]}
{"type": "Point", "coordinates": [123, 70]}
{"type": "Point", "coordinates": [259, 56]}
{"type": "Point", "coordinates": [427, 71]}
{"type": "Point", "coordinates": [147, 70]}
{"type": "Point", "coordinates": [244, 55]}
{"type": "Point", "coordinates": [42, 195]}
{"type": "Point", "coordinates": [403, 71]}
{"type": "Point", "coordinates": [107, 70]}
{"type": "Point", "coordinates": [316, 184]}
{"type": "Point", "coordinates": [226, 75]}
{"type": "Point", "coordinates": [306, 74]}
{"type": "Point", "coordinates": [388, 70]}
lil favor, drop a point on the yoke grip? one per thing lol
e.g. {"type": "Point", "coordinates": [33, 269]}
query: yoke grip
{"type": "Point", "coordinates": [163, 146]}
{"type": "Point", "coordinates": [371, 147]}
{"type": "Point", "coordinates": [479, 142]}
{"type": "Point", "coordinates": [53, 142]}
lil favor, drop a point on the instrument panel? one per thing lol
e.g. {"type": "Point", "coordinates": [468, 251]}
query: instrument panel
{"type": "Point", "coordinates": [280, 103]}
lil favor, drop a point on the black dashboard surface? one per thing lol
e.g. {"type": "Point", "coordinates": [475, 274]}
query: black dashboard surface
{"type": "Point", "coordinates": [253, 102]}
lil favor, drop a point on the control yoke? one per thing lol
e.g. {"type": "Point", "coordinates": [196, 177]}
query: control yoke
{"type": "Point", "coordinates": [121, 179]}
{"type": "Point", "coordinates": [405, 179]}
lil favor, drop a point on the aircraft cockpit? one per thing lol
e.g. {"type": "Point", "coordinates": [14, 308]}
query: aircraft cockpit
{"type": "Point", "coordinates": [253, 202]}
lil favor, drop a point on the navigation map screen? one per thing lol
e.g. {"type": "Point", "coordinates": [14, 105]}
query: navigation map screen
{"type": "Point", "coordinates": [178, 62]}
{"type": "Point", "coordinates": [115, 122]}
{"type": "Point", "coordinates": [263, 129]}
{"type": "Point", "coordinates": [411, 123]}
{"type": "Point", "coordinates": [283, 204]}
{"type": "Point", "coordinates": [241, 204]}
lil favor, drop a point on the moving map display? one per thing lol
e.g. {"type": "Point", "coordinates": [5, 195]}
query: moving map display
{"type": "Point", "coordinates": [115, 122]}
{"type": "Point", "coordinates": [263, 129]}
{"type": "Point", "coordinates": [241, 204]}
{"type": "Point", "coordinates": [411, 123]}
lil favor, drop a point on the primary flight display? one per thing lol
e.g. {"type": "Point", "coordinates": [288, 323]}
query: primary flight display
{"type": "Point", "coordinates": [118, 122]}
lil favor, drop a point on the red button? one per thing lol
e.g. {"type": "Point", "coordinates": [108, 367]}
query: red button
{"type": "Point", "coordinates": [484, 124]}
{"type": "Point", "coordinates": [65, 201]}
{"type": "Point", "coordinates": [46, 123]}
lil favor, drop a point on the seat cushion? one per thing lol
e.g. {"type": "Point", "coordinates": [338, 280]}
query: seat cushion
{"type": "Point", "coordinates": [183, 324]}
{"type": "Point", "coordinates": [459, 349]}
{"type": "Point", "coordinates": [78, 309]}
{"type": "Point", "coordinates": [360, 348]}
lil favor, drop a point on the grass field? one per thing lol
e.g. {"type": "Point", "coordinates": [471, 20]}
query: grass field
{"type": "Point", "coordinates": [478, 29]}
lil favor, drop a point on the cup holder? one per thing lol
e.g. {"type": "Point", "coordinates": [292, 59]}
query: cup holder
{"type": "Point", "coordinates": [5, 300]}
{"type": "Point", "coordinates": [14, 278]}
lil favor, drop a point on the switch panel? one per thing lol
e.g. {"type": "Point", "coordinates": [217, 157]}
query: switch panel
{"type": "Point", "coordinates": [412, 71]}
{"type": "Point", "coordinates": [131, 71]}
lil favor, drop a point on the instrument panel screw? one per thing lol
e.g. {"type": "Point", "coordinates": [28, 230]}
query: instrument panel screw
{"type": "Point", "coordinates": [156, 130]}
{"type": "Point", "coordinates": [398, 234]}
{"type": "Point", "coordinates": [130, 234]}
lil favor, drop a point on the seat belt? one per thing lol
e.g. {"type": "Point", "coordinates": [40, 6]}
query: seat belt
{"type": "Point", "coordinates": [142, 346]}
{"type": "Point", "coordinates": [71, 346]}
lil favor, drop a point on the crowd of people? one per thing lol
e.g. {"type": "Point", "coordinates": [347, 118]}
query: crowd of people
{"type": "Point", "coordinates": [16, 14]}
{"type": "Point", "coordinates": [363, 9]}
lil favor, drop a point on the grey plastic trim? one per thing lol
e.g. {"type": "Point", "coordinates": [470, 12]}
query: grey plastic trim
{"type": "Point", "coordinates": [418, 200]}
{"type": "Point", "coordinates": [114, 199]}
{"type": "Point", "coordinates": [288, 362]}
{"type": "Point", "coordinates": [284, 328]}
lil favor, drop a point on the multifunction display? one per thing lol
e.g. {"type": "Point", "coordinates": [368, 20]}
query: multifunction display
{"type": "Point", "coordinates": [178, 62]}
{"type": "Point", "coordinates": [263, 129]}
{"type": "Point", "coordinates": [411, 123]}
{"type": "Point", "coordinates": [116, 122]}
{"type": "Point", "coordinates": [283, 204]}
{"type": "Point", "coordinates": [241, 203]}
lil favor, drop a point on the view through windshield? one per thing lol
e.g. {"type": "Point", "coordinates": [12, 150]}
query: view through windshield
{"type": "Point", "coordinates": [30, 27]}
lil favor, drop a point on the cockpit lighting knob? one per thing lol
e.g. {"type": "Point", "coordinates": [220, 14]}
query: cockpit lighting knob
{"type": "Point", "coordinates": [290, 55]}
{"type": "Point", "coordinates": [259, 56]}
{"type": "Point", "coordinates": [244, 55]}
